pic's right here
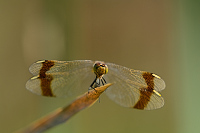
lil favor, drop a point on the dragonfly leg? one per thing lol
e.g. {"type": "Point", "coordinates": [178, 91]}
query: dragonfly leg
{"type": "Point", "coordinates": [91, 86]}
{"type": "Point", "coordinates": [104, 80]}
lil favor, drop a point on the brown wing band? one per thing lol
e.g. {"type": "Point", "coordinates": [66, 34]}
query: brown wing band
{"type": "Point", "coordinates": [46, 78]}
{"type": "Point", "coordinates": [145, 93]}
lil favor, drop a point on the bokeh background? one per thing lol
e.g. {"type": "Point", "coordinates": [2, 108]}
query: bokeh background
{"type": "Point", "coordinates": [159, 36]}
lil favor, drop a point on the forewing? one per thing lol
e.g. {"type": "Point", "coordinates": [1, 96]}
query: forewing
{"type": "Point", "coordinates": [134, 88]}
{"type": "Point", "coordinates": [61, 78]}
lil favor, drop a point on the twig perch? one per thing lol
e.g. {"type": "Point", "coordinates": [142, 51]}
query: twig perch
{"type": "Point", "coordinates": [63, 114]}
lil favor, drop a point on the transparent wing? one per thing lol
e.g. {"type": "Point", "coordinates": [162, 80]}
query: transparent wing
{"type": "Point", "coordinates": [127, 87]}
{"type": "Point", "coordinates": [68, 78]}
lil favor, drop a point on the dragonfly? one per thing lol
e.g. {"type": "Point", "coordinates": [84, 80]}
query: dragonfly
{"type": "Point", "coordinates": [131, 88]}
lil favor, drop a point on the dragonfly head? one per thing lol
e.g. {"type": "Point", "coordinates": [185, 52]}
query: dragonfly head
{"type": "Point", "coordinates": [100, 69]}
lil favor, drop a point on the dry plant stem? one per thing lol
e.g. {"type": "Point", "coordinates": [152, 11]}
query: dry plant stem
{"type": "Point", "coordinates": [63, 114]}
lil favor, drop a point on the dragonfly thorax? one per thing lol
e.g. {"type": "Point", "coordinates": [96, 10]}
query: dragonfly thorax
{"type": "Point", "coordinates": [100, 69]}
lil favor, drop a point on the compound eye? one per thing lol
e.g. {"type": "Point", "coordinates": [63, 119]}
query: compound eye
{"type": "Point", "coordinates": [97, 65]}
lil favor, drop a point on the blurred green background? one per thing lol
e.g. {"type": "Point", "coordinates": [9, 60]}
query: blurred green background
{"type": "Point", "coordinates": [156, 36]}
